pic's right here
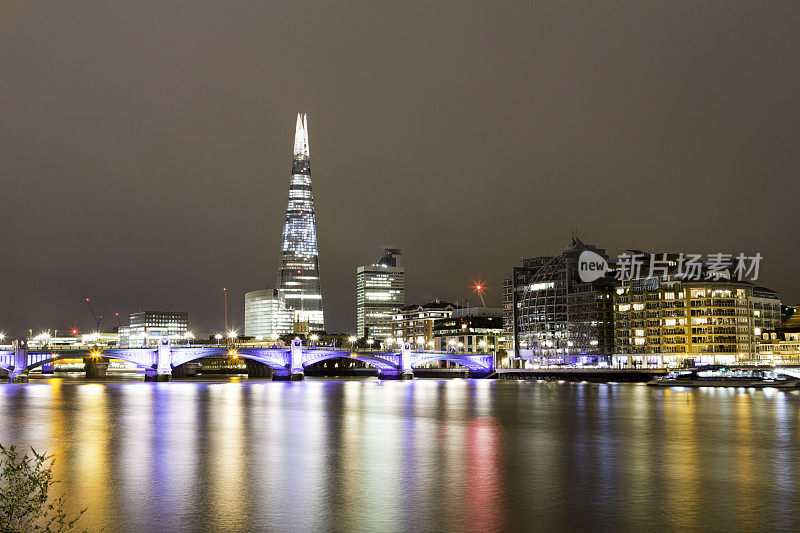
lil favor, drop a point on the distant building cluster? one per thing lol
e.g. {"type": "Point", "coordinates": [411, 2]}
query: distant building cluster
{"type": "Point", "coordinates": [551, 315]}
{"type": "Point", "coordinates": [638, 309]}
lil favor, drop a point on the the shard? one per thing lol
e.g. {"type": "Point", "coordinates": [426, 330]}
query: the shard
{"type": "Point", "coordinates": [298, 272]}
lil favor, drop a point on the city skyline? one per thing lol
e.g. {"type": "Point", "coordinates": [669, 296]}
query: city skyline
{"type": "Point", "coordinates": [148, 184]}
{"type": "Point", "coordinates": [545, 276]}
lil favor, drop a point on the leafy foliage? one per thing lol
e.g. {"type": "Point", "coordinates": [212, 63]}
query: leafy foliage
{"type": "Point", "coordinates": [25, 483]}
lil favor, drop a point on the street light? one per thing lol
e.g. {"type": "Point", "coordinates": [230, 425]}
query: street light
{"type": "Point", "coordinates": [352, 340]}
{"type": "Point", "coordinates": [189, 336]}
{"type": "Point", "coordinates": [232, 334]}
{"type": "Point", "coordinates": [314, 338]}
{"type": "Point", "coordinates": [218, 336]}
{"type": "Point", "coordinates": [370, 342]}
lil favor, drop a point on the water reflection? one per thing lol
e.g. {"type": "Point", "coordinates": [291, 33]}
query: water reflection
{"type": "Point", "coordinates": [450, 454]}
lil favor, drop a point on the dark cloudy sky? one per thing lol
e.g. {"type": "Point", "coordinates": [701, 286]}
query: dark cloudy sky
{"type": "Point", "coordinates": [145, 147]}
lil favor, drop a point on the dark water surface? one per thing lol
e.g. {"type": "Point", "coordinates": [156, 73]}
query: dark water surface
{"type": "Point", "coordinates": [422, 455]}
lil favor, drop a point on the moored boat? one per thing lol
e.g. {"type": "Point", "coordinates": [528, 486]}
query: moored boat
{"type": "Point", "coordinates": [723, 377]}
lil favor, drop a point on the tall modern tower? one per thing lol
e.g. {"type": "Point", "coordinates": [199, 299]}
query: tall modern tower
{"type": "Point", "coordinates": [380, 293]}
{"type": "Point", "coordinates": [298, 272]}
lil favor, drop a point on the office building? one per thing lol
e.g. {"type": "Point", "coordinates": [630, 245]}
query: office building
{"type": "Point", "coordinates": [380, 293]}
{"type": "Point", "coordinates": [266, 314]}
{"type": "Point", "coordinates": [298, 272]}
{"type": "Point", "coordinates": [552, 316]}
{"type": "Point", "coordinates": [150, 325]}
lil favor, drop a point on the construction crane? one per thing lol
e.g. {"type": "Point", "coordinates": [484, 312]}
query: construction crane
{"type": "Point", "coordinates": [98, 319]}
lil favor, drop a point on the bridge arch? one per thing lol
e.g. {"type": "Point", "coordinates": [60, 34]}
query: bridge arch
{"type": "Point", "coordinates": [275, 358]}
{"type": "Point", "coordinates": [141, 357]}
{"type": "Point", "coordinates": [474, 363]}
{"type": "Point", "coordinates": [385, 363]}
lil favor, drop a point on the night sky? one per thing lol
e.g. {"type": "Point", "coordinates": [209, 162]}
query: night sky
{"type": "Point", "coordinates": [145, 147]}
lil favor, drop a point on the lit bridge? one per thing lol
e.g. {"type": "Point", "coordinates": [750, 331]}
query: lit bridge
{"type": "Point", "coordinates": [286, 362]}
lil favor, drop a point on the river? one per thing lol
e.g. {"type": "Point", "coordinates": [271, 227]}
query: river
{"type": "Point", "coordinates": [365, 455]}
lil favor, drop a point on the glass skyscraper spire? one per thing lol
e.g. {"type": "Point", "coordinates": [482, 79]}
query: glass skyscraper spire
{"type": "Point", "coordinates": [298, 273]}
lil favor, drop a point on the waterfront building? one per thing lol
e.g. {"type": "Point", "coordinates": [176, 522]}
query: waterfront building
{"type": "Point", "coordinates": [380, 293]}
{"type": "Point", "coordinates": [765, 306]}
{"type": "Point", "coordinates": [507, 290]}
{"type": "Point", "coordinates": [414, 324]}
{"type": "Point", "coordinates": [146, 325]}
{"type": "Point", "coordinates": [552, 316]}
{"type": "Point", "coordinates": [781, 345]}
{"type": "Point", "coordinates": [469, 330]}
{"type": "Point", "coordinates": [298, 271]}
{"type": "Point", "coordinates": [668, 320]}
{"type": "Point", "coordinates": [266, 314]}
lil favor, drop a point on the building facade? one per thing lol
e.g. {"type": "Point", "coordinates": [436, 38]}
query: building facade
{"type": "Point", "coordinates": [414, 324]}
{"type": "Point", "coordinates": [669, 321]}
{"type": "Point", "coordinates": [781, 345]}
{"type": "Point", "coordinates": [469, 330]}
{"type": "Point", "coordinates": [552, 316]}
{"type": "Point", "coordinates": [380, 293]}
{"type": "Point", "coordinates": [266, 314]}
{"type": "Point", "coordinates": [298, 272]}
{"type": "Point", "coordinates": [147, 325]}
{"type": "Point", "coordinates": [765, 307]}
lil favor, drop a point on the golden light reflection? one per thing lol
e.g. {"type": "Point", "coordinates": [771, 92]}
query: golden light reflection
{"type": "Point", "coordinates": [90, 459]}
{"type": "Point", "coordinates": [351, 465]}
{"type": "Point", "coordinates": [745, 445]}
{"type": "Point", "coordinates": [639, 453]}
{"type": "Point", "coordinates": [681, 460]}
{"type": "Point", "coordinates": [228, 450]}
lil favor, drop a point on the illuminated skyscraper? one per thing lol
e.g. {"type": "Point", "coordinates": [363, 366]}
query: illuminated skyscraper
{"type": "Point", "coordinates": [298, 272]}
{"type": "Point", "coordinates": [380, 293]}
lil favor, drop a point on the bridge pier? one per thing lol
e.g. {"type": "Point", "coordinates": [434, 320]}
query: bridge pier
{"type": "Point", "coordinates": [19, 373]}
{"type": "Point", "coordinates": [296, 371]}
{"type": "Point", "coordinates": [405, 369]}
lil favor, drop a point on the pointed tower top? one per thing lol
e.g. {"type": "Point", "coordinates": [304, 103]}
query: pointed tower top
{"type": "Point", "coordinates": [305, 130]}
{"type": "Point", "coordinates": [300, 137]}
